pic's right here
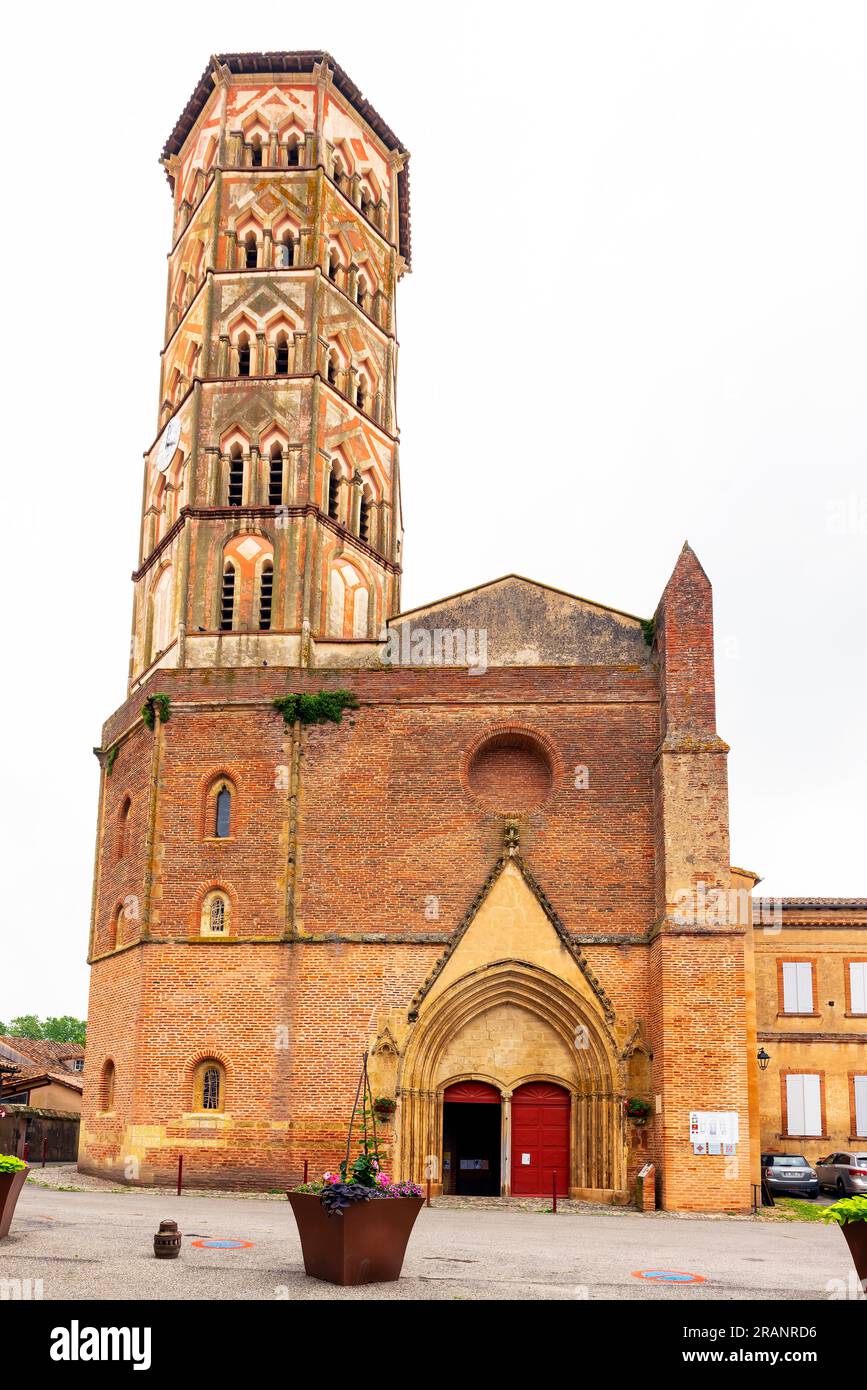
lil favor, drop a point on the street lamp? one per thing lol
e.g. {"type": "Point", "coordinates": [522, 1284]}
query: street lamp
{"type": "Point", "coordinates": [762, 1057]}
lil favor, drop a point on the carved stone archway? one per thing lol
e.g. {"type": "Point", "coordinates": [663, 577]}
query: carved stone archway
{"type": "Point", "coordinates": [595, 1080]}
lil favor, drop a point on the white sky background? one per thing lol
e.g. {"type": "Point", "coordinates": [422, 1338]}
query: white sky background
{"type": "Point", "coordinates": [637, 314]}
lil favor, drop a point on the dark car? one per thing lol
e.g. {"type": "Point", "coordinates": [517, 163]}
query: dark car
{"type": "Point", "coordinates": [790, 1173]}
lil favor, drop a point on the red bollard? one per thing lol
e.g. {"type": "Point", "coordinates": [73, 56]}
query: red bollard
{"type": "Point", "coordinates": [428, 1192]}
{"type": "Point", "coordinates": [26, 1154]}
{"type": "Point", "coordinates": [554, 1190]}
{"type": "Point", "coordinates": [305, 1169]}
{"type": "Point", "coordinates": [44, 1150]}
{"type": "Point", "coordinates": [180, 1173]}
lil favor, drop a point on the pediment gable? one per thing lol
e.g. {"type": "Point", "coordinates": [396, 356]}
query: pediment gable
{"type": "Point", "coordinates": [511, 919]}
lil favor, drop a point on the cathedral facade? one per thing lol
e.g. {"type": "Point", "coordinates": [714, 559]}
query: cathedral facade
{"type": "Point", "coordinates": [495, 860]}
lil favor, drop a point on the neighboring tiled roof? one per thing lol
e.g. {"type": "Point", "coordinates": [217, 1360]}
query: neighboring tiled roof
{"type": "Point", "coordinates": [300, 62]}
{"type": "Point", "coordinates": [38, 1076]}
{"type": "Point", "coordinates": [859, 903]}
{"type": "Point", "coordinates": [41, 1050]}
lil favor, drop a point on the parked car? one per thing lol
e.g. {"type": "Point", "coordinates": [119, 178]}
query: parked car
{"type": "Point", "coordinates": [790, 1173]}
{"type": "Point", "coordinates": [845, 1173]}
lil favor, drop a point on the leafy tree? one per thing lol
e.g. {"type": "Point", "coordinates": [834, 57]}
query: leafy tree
{"type": "Point", "coordinates": [63, 1029]}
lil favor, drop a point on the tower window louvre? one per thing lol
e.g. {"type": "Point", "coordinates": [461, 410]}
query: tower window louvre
{"type": "Point", "coordinates": [331, 370]}
{"type": "Point", "coordinates": [236, 478]}
{"type": "Point", "coordinates": [251, 251]}
{"type": "Point", "coordinates": [243, 355]}
{"type": "Point", "coordinates": [227, 600]}
{"type": "Point", "coordinates": [266, 591]}
{"type": "Point", "coordinates": [256, 152]}
{"type": "Point", "coordinates": [281, 361]}
{"type": "Point", "coordinates": [275, 479]}
{"type": "Point", "coordinates": [292, 158]}
{"type": "Point", "coordinates": [364, 520]}
{"type": "Point", "coordinates": [333, 494]}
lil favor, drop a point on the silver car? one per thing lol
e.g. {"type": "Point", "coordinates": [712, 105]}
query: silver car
{"type": "Point", "coordinates": [845, 1173]}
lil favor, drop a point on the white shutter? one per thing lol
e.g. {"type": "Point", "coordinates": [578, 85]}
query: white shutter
{"type": "Point", "coordinates": [858, 987]}
{"type": "Point", "coordinates": [797, 987]}
{"type": "Point", "coordinates": [861, 1105]}
{"type": "Point", "coordinates": [804, 1104]}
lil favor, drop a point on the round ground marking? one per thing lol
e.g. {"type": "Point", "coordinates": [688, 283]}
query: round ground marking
{"type": "Point", "coordinates": [668, 1276]}
{"type": "Point", "coordinates": [222, 1243]}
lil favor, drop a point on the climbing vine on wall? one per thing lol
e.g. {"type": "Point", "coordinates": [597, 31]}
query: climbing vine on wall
{"type": "Point", "coordinates": [648, 627]}
{"type": "Point", "coordinates": [326, 707]}
{"type": "Point", "coordinates": [156, 705]}
{"type": "Point", "coordinates": [110, 757]}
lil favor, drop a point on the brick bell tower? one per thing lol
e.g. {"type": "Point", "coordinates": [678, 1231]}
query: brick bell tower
{"type": "Point", "coordinates": [271, 513]}
{"type": "Point", "coordinates": [270, 546]}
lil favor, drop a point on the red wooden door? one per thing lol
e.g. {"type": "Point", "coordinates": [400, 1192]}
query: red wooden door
{"type": "Point", "coordinates": [540, 1139]}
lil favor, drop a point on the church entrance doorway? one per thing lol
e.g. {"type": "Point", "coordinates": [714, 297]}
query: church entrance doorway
{"type": "Point", "coordinates": [540, 1139]}
{"type": "Point", "coordinates": [472, 1137]}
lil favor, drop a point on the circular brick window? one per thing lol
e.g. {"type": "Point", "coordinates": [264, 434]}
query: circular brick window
{"type": "Point", "coordinates": [510, 771]}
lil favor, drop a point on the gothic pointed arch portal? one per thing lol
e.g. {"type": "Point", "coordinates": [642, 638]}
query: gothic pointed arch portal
{"type": "Point", "coordinates": [508, 1023]}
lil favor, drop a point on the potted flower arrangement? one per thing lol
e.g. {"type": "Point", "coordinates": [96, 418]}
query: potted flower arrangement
{"type": "Point", "coordinates": [638, 1110]}
{"type": "Point", "coordinates": [355, 1224]}
{"type": "Point", "coordinates": [850, 1213]}
{"type": "Point", "coordinates": [384, 1108]}
{"type": "Point", "coordinates": [13, 1176]}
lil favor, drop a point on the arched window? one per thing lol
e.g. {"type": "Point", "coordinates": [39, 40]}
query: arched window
{"type": "Point", "coordinates": [361, 394]}
{"type": "Point", "coordinates": [251, 251]}
{"type": "Point", "coordinates": [286, 251]}
{"type": "Point", "coordinates": [216, 914]}
{"type": "Point", "coordinates": [227, 598]}
{"type": "Point", "coordinates": [281, 356]}
{"type": "Point", "coordinates": [275, 476]}
{"type": "Point", "coordinates": [106, 1087]}
{"type": "Point", "coordinates": [209, 1085]}
{"type": "Point", "coordinates": [364, 519]}
{"type": "Point", "coordinates": [331, 369]}
{"type": "Point", "coordinates": [236, 477]}
{"type": "Point", "coordinates": [123, 828]}
{"type": "Point", "coordinates": [292, 156]}
{"type": "Point", "coordinates": [333, 265]}
{"type": "Point", "coordinates": [338, 173]}
{"type": "Point", "coordinates": [266, 591]}
{"type": "Point", "coordinates": [243, 355]}
{"type": "Point", "coordinates": [115, 927]}
{"type": "Point", "coordinates": [361, 291]}
{"type": "Point", "coordinates": [366, 203]}
{"type": "Point", "coordinates": [334, 494]}
{"type": "Point", "coordinates": [256, 152]}
{"type": "Point", "coordinates": [223, 813]}
{"type": "Point", "coordinates": [162, 617]}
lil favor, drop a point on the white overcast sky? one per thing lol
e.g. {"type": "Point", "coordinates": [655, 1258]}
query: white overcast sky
{"type": "Point", "coordinates": [637, 315]}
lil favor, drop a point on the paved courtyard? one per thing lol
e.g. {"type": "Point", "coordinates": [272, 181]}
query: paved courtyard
{"type": "Point", "coordinates": [99, 1245]}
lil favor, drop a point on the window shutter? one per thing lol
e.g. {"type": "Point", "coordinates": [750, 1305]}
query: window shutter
{"type": "Point", "coordinates": [797, 987]}
{"type": "Point", "coordinates": [861, 1105]}
{"type": "Point", "coordinates": [804, 1104]}
{"type": "Point", "coordinates": [858, 987]}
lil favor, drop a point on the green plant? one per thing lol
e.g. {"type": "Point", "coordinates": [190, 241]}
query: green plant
{"type": "Point", "coordinates": [110, 758]}
{"type": "Point", "coordinates": [324, 708]}
{"type": "Point", "coordinates": [637, 1108]}
{"type": "Point", "coordinates": [154, 705]}
{"type": "Point", "coordinates": [648, 627]}
{"type": "Point", "coordinates": [10, 1164]}
{"type": "Point", "coordinates": [848, 1209]}
{"type": "Point", "coordinates": [384, 1105]}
